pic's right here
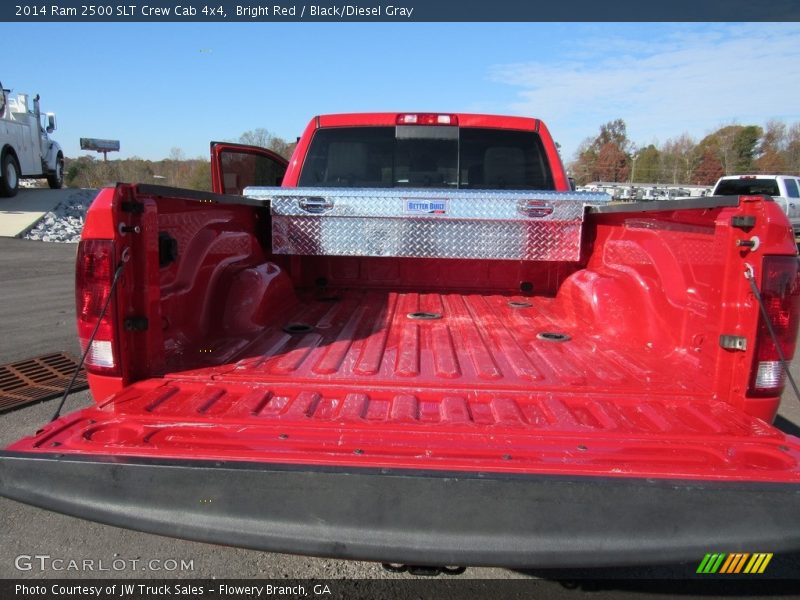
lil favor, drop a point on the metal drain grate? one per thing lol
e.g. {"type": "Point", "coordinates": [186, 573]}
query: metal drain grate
{"type": "Point", "coordinates": [37, 378]}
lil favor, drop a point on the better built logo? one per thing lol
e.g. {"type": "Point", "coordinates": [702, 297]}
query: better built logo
{"type": "Point", "coordinates": [735, 563]}
{"type": "Point", "coordinates": [426, 207]}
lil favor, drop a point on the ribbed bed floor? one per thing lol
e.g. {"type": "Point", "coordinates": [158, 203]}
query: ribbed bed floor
{"type": "Point", "coordinates": [476, 389]}
{"type": "Point", "coordinates": [475, 342]}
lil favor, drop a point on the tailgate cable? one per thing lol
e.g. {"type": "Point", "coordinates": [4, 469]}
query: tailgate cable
{"type": "Point", "coordinates": [749, 274]}
{"type": "Point", "coordinates": [126, 254]}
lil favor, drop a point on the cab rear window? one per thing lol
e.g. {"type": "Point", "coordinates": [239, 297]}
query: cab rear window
{"type": "Point", "coordinates": [747, 187]}
{"type": "Point", "coordinates": [426, 157]}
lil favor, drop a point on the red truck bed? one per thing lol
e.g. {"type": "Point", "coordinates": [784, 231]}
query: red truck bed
{"type": "Point", "coordinates": [423, 376]}
{"type": "Point", "coordinates": [459, 342]}
{"type": "Point", "coordinates": [476, 389]}
{"type": "Point", "coordinates": [489, 431]}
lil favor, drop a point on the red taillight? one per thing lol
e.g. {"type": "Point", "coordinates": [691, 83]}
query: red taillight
{"type": "Point", "coordinates": [94, 273]}
{"type": "Point", "coordinates": [780, 291]}
{"type": "Point", "coordinates": [426, 119]}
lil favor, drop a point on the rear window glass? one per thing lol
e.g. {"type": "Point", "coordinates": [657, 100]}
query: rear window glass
{"type": "Point", "coordinates": [426, 157]}
{"type": "Point", "coordinates": [746, 187]}
{"type": "Point", "coordinates": [791, 188]}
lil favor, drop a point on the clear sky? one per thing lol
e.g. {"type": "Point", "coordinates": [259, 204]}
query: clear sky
{"type": "Point", "coordinates": [159, 86]}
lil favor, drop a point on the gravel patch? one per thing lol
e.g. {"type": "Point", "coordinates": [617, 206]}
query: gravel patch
{"type": "Point", "coordinates": [65, 222]}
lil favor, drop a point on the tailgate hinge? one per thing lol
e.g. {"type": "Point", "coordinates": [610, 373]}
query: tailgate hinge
{"type": "Point", "coordinates": [733, 342]}
{"type": "Point", "coordinates": [136, 324]}
{"type": "Point", "coordinates": [743, 222]}
{"type": "Point", "coordinates": [130, 206]}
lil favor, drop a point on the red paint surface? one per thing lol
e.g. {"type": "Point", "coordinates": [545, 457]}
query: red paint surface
{"type": "Point", "coordinates": [512, 432]}
{"type": "Point", "coordinates": [641, 389]}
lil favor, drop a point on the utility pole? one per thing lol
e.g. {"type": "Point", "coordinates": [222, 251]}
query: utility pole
{"type": "Point", "coordinates": [633, 168]}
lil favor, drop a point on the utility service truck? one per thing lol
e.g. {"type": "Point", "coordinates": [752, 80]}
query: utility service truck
{"type": "Point", "coordinates": [26, 149]}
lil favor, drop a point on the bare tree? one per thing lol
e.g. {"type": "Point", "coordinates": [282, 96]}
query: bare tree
{"type": "Point", "coordinates": [792, 152]}
{"type": "Point", "coordinates": [772, 148]}
{"type": "Point", "coordinates": [263, 138]}
{"type": "Point", "coordinates": [678, 159]}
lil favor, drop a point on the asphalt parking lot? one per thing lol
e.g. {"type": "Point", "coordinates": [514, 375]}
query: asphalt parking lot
{"type": "Point", "coordinates": [37, 316]}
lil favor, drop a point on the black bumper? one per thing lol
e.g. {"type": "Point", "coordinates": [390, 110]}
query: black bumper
{"type": "Point", "coordinates": [428, 518]}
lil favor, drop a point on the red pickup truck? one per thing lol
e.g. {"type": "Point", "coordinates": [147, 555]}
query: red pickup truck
{"type": "Point", "coordinates": [423, 348]}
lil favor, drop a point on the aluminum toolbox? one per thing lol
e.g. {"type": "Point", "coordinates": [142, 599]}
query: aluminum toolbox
{"type": "Point", "coordinates": [511, 225]}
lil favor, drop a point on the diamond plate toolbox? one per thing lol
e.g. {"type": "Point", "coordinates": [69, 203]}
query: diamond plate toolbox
{"type": "Point", "coordinates": [511, 225]}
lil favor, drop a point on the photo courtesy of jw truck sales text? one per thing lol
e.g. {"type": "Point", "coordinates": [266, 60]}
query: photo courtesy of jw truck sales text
{"type": "Point", "coordinates": [142, 590]}
{"type": "Point", "coordinates": [417, 308]}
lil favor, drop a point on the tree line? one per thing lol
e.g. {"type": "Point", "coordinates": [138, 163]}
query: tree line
{"type": "Point", "coordinates": [176, 171]}
{"type": "Point", "coordinates": [730, 150]}
{"type": "Point", "coordinates": [609, 156]}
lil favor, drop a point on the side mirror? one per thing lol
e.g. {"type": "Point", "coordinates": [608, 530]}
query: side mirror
{"type": "Point", "coordinates": [51, 122]}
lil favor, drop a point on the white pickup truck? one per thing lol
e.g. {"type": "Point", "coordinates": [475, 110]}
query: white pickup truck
{"type": "Point", "coordinates": [26, 149]}
{"type": "Point", "coordinates": [785, 190]}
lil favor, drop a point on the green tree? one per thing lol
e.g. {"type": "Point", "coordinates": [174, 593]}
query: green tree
{"type": "Point", "coordinates": [176, 171]}
{"type": "Point", "coordinates": [646, 165]}
{"type": "Point", "coordinates": [88, 172]}
{"type": "Point", "coordinates": [744, 146]}
{"type": "Point", "coordinates": [734, 146]}
{"type": "Point", "coordinates": [200, 176]}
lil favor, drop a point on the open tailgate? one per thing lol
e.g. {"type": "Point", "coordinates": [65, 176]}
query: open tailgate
{"type": "Point", "coordinates": [419, 477]}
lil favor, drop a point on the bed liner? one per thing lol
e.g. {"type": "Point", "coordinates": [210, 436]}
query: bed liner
{"type": "Point", "coordinates": [481, 342]}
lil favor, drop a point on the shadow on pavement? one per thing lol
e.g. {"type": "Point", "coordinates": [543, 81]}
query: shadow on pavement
{"type": "Point", "coordinates": [787, 426]}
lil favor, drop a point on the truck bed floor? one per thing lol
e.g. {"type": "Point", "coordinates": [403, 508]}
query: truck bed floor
{"type": "Point", "coordinates": [474, 390]}
{"type": "Point", "coordinates": [473, 342]}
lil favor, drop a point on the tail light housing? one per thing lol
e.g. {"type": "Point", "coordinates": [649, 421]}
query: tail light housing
{"type": "Point", "coordinates": [94, 274]}
{"type": "Point", "coordinates": [780, 292]}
